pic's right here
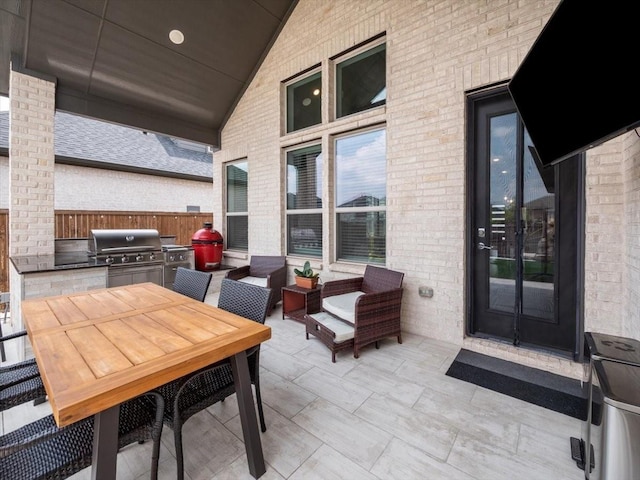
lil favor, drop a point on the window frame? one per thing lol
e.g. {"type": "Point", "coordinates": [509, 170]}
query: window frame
{"type": "Point", "coordinates": [235, 214]}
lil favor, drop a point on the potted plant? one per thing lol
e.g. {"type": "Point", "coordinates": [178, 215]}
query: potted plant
{"type": "Point", "coordinates": [306, 278]}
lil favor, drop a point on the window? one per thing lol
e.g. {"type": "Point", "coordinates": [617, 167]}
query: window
{"type": "Point", "coordinates": [361, 197]}
{"type": "Point", "coordinates": [304, 201]}
{"type": "Point", "coordinates": [303, 103]}
{"type": "Point", "coordinates": [237, 210]}
{"type": "Point", "coordinates": [361, 82]}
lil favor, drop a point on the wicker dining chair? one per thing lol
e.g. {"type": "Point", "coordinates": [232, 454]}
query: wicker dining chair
{"type": "Point", "coordinates": [192, 283]}
{"type": "Point", "coordinates": [41, 450]}
{"type": "Point", "coordinates": [20, 382]}
{"type": "Point", "coordinates": [194, 392]}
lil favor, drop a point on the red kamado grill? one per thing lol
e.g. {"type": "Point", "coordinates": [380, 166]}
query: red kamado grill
{"type": "Point", "coordinates": [207, 246]}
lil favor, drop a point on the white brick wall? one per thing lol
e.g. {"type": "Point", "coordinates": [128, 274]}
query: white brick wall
{"type": "Point", "coordinates": [31, 129]}
{"type": "Point", "coordinates": [435, 51]}
{"type": "Point", "coordinates": [82, 188]}
{"type": "Point", "coordinates": [630, 313]}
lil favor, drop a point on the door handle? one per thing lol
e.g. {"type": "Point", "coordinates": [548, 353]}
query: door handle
{"type": "Point", "coordinates": [482, 246]}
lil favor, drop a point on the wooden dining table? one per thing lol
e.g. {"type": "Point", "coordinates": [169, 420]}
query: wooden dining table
{"type": "Point", "coordinates": [99, 348]}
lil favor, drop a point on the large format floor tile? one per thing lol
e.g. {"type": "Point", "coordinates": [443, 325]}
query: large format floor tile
{"type": "Point", "coordinates": [390, 414]}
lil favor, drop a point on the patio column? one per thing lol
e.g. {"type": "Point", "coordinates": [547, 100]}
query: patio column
{"type": "Point", "coordinates": [31, 229]}
{"type": "Point", "coordinates": [31, 163]}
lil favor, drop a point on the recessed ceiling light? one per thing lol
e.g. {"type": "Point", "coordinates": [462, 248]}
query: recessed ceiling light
{"type": "Point", "coordinates": [316, 92]}
{"type": "Point", "coordinates": [306, 102]}
{"type": "Point", "coordinates": [176, 36]}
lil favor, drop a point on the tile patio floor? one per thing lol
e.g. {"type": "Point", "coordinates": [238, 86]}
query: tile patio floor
{"type": "Point", "coordinates": [391, 414]}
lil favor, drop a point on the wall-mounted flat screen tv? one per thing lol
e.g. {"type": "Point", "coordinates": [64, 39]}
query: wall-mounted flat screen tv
{"type": "Point", "coordinates": [577, 87]}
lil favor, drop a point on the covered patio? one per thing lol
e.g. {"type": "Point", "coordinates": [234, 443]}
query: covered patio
{"type": "Point", "coordinates": [240, 86]}
{"type": "Point", "coordinates": [391, 414]}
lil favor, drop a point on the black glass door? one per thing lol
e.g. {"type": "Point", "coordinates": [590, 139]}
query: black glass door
{"type": "Point", "coordinates": [524, 234]}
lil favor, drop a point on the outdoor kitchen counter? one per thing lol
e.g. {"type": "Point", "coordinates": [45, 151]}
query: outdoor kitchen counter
{"type": "Point", "coordinates": [56, 262]}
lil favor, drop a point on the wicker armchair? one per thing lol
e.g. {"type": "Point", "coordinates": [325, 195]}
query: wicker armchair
{"type": "Point", "coordinates": [370, 303]}
{"type": "Point", "coordinates": [195, 392]}
{"type": "Point", "coordinates": [263, 271]}
{"type": "Point", "coordinates": [20, 382]}
{"type": "Point", "coordinates": [192, 283]}
{"type": "Point", "coordinates": [42, 450]}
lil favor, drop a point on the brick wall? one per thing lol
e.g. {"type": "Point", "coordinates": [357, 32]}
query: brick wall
{"type": "Point", "coordinates": [630, 313]}
{"type": "Point", "coordinates": [435, 51]}
{"type": "Point", "coordinates": [82, 188]}
{"type": "Point", "coordinates": [605, 240]}
{"type": "Point", "coordinates": [31, 197]}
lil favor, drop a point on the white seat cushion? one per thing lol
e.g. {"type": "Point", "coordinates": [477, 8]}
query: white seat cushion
{"type": "Point", "coordinates": [342, 330]}
{"type": "Point", "coordinates": [261, 282]}
{"type": "Point", "coordinates": [342, 306]}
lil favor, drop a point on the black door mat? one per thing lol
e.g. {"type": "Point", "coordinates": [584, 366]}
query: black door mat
{"type": "Point", "coordinates": [548, 390]}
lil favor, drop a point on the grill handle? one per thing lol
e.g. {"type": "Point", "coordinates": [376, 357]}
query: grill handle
{"type": "Point", "coordinates": [128, 249]}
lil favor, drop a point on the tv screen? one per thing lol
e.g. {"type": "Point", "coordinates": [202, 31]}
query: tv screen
{"type": "Point", "coordinates": [577, 86]}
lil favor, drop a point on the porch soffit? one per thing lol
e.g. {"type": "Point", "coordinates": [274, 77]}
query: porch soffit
{"type": "Point", "coordinates": [112, 59]}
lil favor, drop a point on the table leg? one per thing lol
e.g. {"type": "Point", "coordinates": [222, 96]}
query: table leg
{"type": "Point", "coordinates": [250, 432]}
{"type": "Point", "coordinates": [105, 444]}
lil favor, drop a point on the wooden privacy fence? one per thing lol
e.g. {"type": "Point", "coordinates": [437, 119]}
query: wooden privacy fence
{"type": "Point", "coordinates": [78, 224]}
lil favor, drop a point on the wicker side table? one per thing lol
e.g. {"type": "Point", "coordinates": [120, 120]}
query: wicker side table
{"type": "Point", "coordinates": [297, 301]}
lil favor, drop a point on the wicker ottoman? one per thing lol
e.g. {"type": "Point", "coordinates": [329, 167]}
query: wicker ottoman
{"type": "Point", "coordinates": [332, 332]}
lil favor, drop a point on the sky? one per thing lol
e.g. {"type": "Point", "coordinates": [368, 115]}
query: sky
{"type": "Point", "coordinates": [4, 104]}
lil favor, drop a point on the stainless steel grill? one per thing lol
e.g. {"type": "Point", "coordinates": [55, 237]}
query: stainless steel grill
{"type": "Point", "coordinates": [176, 256]}
{"type": "Point", "coordinates": [133, 255]}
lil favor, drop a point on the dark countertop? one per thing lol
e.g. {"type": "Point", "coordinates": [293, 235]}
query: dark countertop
{"type": "Point", "coordinates": [56, 262]}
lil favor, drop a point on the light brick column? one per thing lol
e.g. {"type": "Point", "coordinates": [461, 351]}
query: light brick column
{"type": "Point", "coordinates": [31, 164]}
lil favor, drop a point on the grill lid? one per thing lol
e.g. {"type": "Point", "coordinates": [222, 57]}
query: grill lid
{"type": "Point", "coordinates": [123, 241]}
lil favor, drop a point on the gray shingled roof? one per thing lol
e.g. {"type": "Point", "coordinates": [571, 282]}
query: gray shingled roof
{"type": "Point", "coordinates": [83, 141]}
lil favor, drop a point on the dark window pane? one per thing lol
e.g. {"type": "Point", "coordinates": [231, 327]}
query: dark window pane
{"type": "Point", "coordinates": [305, 234]}
{"type": "Point", "coordinates": [237, 225]}
{"type": "Point", "coordinates": [304, 178]}
{"type": "Point", "coordinates": [237, 187]}
{"type": "Point", "coordinates": [303, 103]}
{"type": "Point", "coordinates": [237, 233]}
{"type": "Point", "coordinates": [362, 237]}
{"type": "Point", "coordinates": [361, 82]}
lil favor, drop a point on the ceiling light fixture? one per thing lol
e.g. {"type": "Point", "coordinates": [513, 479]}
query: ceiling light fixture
{"type": "Point", "coordinates": [316, 92]}
{"type": "Point", "coordinates": [176, 36]}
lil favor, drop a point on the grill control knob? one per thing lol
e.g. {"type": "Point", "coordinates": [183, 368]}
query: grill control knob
{"type": "Point", "coordinates": [125, 259]}
{"type": "Point", "coordinates": [172, 258]}
{"type": "Point", "coordinates": [139, 258]}
{"type": "Point", "coordinates": [152, 256]}
{"type": "Point", "coordinates": [108, 260]}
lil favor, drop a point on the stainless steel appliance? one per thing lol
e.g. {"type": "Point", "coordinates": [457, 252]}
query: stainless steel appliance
{"type": "Point", "coordinates": [599, 346]}
{"type": "Point", "coordinates": [176, 256]}
{"type": "Point", "coordinates": [133, 255]}
{"type": "Point", "coordinates": [615, 435]}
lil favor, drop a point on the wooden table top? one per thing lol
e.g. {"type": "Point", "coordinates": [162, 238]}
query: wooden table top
{"type": "Point", "coordinates": [99, 348]}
